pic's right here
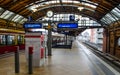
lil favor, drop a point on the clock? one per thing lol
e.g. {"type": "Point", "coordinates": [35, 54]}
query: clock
{"type": "Point", "coordinates": [49, 13]}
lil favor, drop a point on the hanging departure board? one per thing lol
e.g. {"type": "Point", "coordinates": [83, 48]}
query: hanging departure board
{"type": "Point", "coordinates": [32, 25]}
{"type": "Point", "coordinates": [67, 25]}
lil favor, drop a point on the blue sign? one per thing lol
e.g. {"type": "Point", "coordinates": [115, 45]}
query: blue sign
{"type": "Point", "coordinates": [72, 17]}
{"type": "Point", "coordinates": [67, 25]}
{"type": "Point", "coordinates": [32, 25]}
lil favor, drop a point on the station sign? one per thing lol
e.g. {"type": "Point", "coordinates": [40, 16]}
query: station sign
{"type": "Point", "coordinates": [32, 25]}
{"type": "Point", "coordinates": [72, 18]}
{"type": "Point", "coordinates": [67, 25]}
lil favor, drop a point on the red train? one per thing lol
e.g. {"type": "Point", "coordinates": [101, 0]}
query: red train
{"type": "Point", "coordinates": [9, 41]}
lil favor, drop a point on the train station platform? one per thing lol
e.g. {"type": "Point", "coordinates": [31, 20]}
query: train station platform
{"type": "Point", "coordinates": [75, 61]}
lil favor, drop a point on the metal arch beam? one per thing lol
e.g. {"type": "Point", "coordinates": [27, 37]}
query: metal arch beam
{"type": "Point", "coordinates": [79, 1]}
{"type": "Point", "coordinates": [74, 0]}
{"type": "Point", "coordinates": [73, 5]}
{"type": "Point", "coordinates": [103, 7]}
{"type": "Point", "coordinates": [60, 5]}
{"type": "Point", "coordinates": [50, 6]}
{"type": "Point", "coordinates": [51, 0]}
{"type": "Point", "coordinates": [45, 8]}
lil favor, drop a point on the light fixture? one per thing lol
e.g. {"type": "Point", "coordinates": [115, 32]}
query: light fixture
{"type": "Point", "coordinates": [34, 10]}
{"type": "Point", "coordinates": [80, 8]}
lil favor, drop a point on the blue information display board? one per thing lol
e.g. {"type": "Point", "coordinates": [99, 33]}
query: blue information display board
{"type": "Point", "coordinates": [67, 25]}
{"type": "Point", "coordinates": [32, 25]}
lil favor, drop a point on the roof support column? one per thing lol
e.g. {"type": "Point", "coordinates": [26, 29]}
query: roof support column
{"type": "Point", "coordinates": [49, 40]}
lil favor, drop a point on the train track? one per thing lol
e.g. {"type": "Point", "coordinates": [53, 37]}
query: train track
{"type": "Point", "coordinates": [113, 61]}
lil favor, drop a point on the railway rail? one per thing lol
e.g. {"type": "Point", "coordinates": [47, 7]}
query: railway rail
{"type": "Point", "coordinates": [113, 61]}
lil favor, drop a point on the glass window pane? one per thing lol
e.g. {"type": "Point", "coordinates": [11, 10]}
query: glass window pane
{"type": "Point", "coordinates": [10, 40]}
{"type": "Point", "coordinates": [20, 39]}
{"type": "Point", "coordinates": [17, 18]}
{"type": "Point", "coordinates": [116, 11]}
{"type": "Point", "coordinates": [103, 21]}
{"type": "Point", "coordinates": [1, 10]}
{"type": "Point", "coordinates": [4, 14]}
{"type": "Point", "coordinates": [10, 14]}
{"type": "Point", "coordinates": [2, 40]}
{"type": "Point", "coordinates": [110, 17]}
{"type": "Point", "coordinates": [7, 14]}
{"type": "Point", "coordinates": [107, 20]}
{"type": "Point", "coordinates": [115, 16]}
{"type": "Point", "coordinates": [23, 20]}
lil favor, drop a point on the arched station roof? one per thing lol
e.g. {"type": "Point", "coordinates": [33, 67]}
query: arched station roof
{"type": "Point", "coordinates": [102, 11]}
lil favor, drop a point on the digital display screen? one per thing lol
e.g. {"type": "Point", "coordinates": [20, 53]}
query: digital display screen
{"type": "Point", "coordinates": [32, 25]}
{"type": "Point", "coordinates": [67, 25]}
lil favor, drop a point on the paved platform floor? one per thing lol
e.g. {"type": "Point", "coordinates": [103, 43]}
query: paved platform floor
{"type": "Point", "coordinates": [73, 61]}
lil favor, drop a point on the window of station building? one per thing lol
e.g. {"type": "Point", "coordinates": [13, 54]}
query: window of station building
{"type": "Point", "coordinates": [2, 40]}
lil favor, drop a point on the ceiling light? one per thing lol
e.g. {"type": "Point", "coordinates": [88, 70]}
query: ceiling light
{"type": "Point", "coordinates": [80, 8]}
{"type": "Point", "coordinates": [34, 10]}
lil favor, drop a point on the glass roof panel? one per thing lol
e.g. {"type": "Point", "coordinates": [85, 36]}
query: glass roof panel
{"type": "Point", "coordinates": [17, 18]}
{"type": "Point", "coordinates": [33, 6]}
{"type": "Point", "coordinates": [1, 9]}
{"type": "Point", "coordinates": [116, 11]}
{"type": "Point", "coordinates": [23, 20]}
{"type": "Point", "coordinates": [6, 13]}
{"type": "Point", "coordinates": [10, 15]}
{"type": "Point", "coordinates": [103, 20]}
{"type": "Point", "coordinates": [107, 20]}
{"type": "Point", "coordinates": [110, 17]}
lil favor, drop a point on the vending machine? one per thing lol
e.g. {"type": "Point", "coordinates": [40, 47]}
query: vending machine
{"type": "Point", "coordinates": [35, 40]}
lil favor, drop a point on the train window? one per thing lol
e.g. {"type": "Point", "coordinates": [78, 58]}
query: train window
{"type": "Point", "coordinates": [20, 39]}
{"type": "Point", "coordinates": [118, 41]}
{"type": "Point", "coordinates": [10, 39]}
{"type": "Point", "coordinates": [2, 40]}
